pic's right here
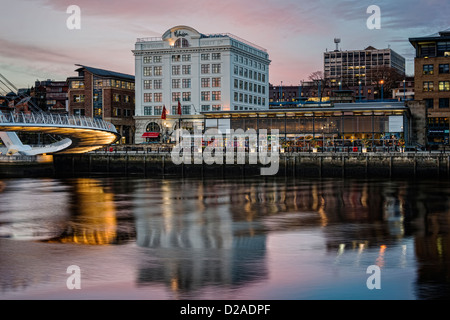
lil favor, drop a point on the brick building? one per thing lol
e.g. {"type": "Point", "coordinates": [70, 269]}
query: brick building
{"type": "Point", "coordinates": [50, 95]}
{"type": "Point", "coordinates": [432, 83]}
{"type": "Point", "coordinates": [106, 95]}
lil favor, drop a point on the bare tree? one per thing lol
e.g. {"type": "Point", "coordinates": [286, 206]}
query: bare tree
{"type": "Point", "coordinates": [319, 78]}
{"type": "Point", "coordinates": [387, 76]}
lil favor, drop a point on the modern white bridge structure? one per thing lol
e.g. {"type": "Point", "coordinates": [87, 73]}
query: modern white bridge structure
{"type": "Point", "coordinates": [78, 134]}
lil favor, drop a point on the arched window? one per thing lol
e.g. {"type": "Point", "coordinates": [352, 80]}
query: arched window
{"type": "Point", "coordinates": [181, 43]}
{"type": "Point", "coordinates": [152, 134]}
{"type": "Point", "coordinates": [153, 127]}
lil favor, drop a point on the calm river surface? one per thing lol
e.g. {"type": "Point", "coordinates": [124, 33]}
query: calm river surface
{"type": "Point", "coordinates": [253, 239]}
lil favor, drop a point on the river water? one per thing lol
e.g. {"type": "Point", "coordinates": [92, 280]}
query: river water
{"type": "Point", "coordinates": [231, 239]}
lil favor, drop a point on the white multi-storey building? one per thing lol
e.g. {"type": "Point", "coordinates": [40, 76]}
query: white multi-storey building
{"type": "Point", "coordinates": [202, 72]}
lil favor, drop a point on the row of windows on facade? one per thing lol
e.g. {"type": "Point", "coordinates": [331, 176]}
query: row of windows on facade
{"type": "Point", "coordinates": [428, 69]}
{"type": "Point", "coordinates": [177, 70]}
{"type": "Point", "coordinates": [116, 112]}
{"type": "Point", "coordinates": [182, 83]}
{"type": "Point", "coordinates": [205, 57]}
{"type": "Point", "coordinates": [244, 98]}
{"type": "Point", "coordinates": [182, 58]}
{"type": "Point", "coordinates": [249, 74]}
{"type": "Point", "coordinates": [183, 96]}
{"type": "Point", "coordinates": [79, 84]}
{"type": "Point", "coordinates": [249, 62]}
{"type": "Point", "coordinates": [249, 86]}
{"type": "Point", "coordinates": [439, 49]}
{"type": "Point", "coordinates": [443, 103]}
{"type": "Point", "coordinates": [442, 86]}
{"type": "Point", "coordinates": [97, 98]}
{"type": "Point", "coordinates": [185, 110]}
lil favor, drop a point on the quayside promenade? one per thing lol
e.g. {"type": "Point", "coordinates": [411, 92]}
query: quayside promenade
{"type": "Point", "coordinates": [327, 164]}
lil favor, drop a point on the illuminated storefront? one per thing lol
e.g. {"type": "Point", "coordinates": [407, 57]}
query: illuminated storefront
{"type": "Point", "coordinates": [383, 125]}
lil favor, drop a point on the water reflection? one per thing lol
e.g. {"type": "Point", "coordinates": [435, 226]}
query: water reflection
{"type": "Point", "coordinates": [194, 235]}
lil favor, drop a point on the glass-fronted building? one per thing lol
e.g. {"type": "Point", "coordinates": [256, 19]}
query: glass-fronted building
{"type": "Point", "coordinates": [355, 125]}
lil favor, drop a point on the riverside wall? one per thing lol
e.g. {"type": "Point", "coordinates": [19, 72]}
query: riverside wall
{"type": "Point", "coordinates": [420, 164]}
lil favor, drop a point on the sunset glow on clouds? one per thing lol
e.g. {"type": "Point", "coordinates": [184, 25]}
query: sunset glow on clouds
{"type": "Point", "coordinates": [35, 42]}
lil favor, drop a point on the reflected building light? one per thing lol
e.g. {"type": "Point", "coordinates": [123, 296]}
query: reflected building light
{"type": "Point", "coordinates": [95, 223]}
{"type": "Point", "coordinates": [340, 252]}
{"type": "Point", "coordinates": [380, 259]}
{"type": "Point", "coordinates": [403, 256]}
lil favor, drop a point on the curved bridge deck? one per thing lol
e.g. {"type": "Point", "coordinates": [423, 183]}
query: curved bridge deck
{"type": "Point", "coordinates": [86, 134]}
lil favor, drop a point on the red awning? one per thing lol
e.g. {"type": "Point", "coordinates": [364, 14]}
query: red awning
{"type": "Point", "coordinates": [150, 135]}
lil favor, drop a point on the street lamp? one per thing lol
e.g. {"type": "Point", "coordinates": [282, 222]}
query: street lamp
{"type": "Point", "coordinates": [359, 91]}
{"type": "Point", "coordinates": [340, 85]}
{"type": "Point", "coordinates": [382, 91]}
{"type": "Point", "coordinates": [300, 92]}
{"type": "Point", "coordinates": [281, 91]}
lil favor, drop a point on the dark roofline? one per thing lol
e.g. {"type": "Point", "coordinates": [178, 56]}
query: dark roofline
{"type": "Point", "coordinates": [106, 73]}
{"type": "Point", "coordinates": [442, 35]}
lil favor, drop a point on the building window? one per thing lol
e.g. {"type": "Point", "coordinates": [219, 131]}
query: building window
{"type": "Point", "coordinates": [97, 112]}
{"type": "Point", "coordinates": [157, 59]}
{"type": "Point", "coordinates": [205, 82]}
{"type": "Point", "coordinates": [176, 96]}
{"type": "Point", "coordinates": [205, 68]}
{"type": "Point", "coordinates": [186, 83]}
{"type": "Point", "coordinates": [216, 96]}
{"type": "Point", "coordinates": [429, 103]}
{"type": "Point", "coordinates": [205, 107]}
{"type": "Point", "coordinates": [176, 58]}
{"type": "Point", "coordinates": [176, 70]}
{"type": "Point", "coordinates": [427, 50]}
{"type": "Point", "coordinates": [77, 85]}
{"type": "Point", "coordinates": [428, 86]}
{"type": "Point", "coordinates": [186, 96]}
{"type": "Point", "coordinates": [158, 84]}
{"type": "Point", "coordinates": [147, 59]}
{"type": "Point", "coordinates": [205, 96]}
{"type": "Point", "coordinates": [157, 71]}
{"type": "Point", "coordinates": [116, 97]}
{"type": "Point", "coordinates": [186, 109]}
{"type": "Point", "coordinates": [205, 56]}
{"type": "Point", "coordinates": [443, 68]}
{"type": "Point", "coordinates": [216, 107]}
{"type": "Point", "coordinates": [444, 85]}
{"type": "Point", "coordinates": [116, 112]}
{"type": "Point", "coordinates": [157, 110]}
{"type": "Point", "coordinates": [147, 97]}
{"type": "Point", "coordinates": [147, 71]}
{"type": "Point", "coordinates": [78, 97]}
{"type": "Point", "coordinates": [176, 83]}
{"type": "Point", "coordinates": [181, 43]}
{"type": "Point", "coordinates": [186, 57]}
{"type": "Point", "coordinates": [215, 56]}
{"type": "Point", "coordinates": [428, 69]}
{"type": "Point", "coordinates": [78, 112]}
{"type": "Point", "coordinates": [216, 68]}
{"type": "Point", "coordinates": [444, 103]}
{"type": "Point", "coordinates": [147, 84]}
{"type": "Point", "coordinates": [158, 97]}
{"type": "Point", "coordinates": [216, 82]}
{"type": "Point", "coordinates": [186, 69]}
{"type": "Point", "coordinates": [443, 49]}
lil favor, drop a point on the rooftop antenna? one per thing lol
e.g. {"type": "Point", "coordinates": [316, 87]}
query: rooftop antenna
{"type": "Point", "coordinates": [337, 41]}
